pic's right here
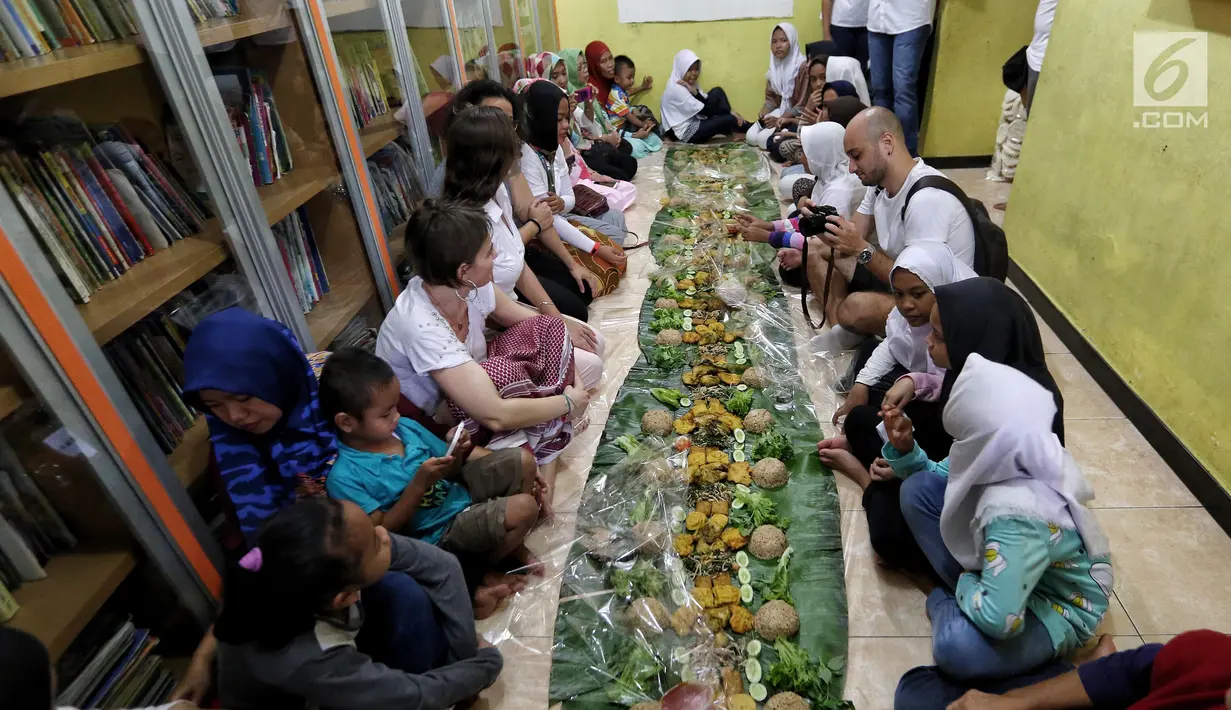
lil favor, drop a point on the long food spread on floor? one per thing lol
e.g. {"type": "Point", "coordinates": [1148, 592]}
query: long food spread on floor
{"type": "Point", "coordinates": [708, 542]}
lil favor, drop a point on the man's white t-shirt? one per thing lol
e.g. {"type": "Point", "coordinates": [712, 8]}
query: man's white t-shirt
{"type": "Point", "coordinates": [934, 216]}
{"type": "Point", "coordinates": [506, 239]}
{"type": "Point", "coordinates": [849, 13]}
{"type": "Point", "coordinates": [416, 341]}
{"type": "Point", "coordinates": [893, 17]}
{"type": "Point", "coordinates": [1043, 18]}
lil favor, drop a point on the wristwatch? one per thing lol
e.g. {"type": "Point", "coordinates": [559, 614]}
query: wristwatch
{"type": "Point", "coordinates": [866, 255]}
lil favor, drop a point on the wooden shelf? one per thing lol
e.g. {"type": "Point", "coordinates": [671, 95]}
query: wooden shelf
{"type": "Point", "coordinates": [191, 458]}
{"type": "Point", "coordinates": [56, 609]}
{"type": "Point", "coordinates": [229, 29]}
{"type": "Point", "coordinates": [152, 282]}
{"type": "Point", "coordinates": [350, 289]}
{"type": "Point", "coordinates": [397, 244]}
{"type": "Point", "coordinates": [10, 400]}
{"type": "Point", "coordinates": [383, 130]}
{"type": "Point", "coordinates": [68, 64]}
{"type": "Point", "coordinates": [293, 190]}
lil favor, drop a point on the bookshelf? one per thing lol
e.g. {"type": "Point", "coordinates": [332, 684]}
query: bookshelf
{"type": "Point", "coordinates": [382, 131]}
{"type": "Point", "coordinates": [10, 400]}
{"type": "Point", "coordinates": [56, 609]}
{"type": "Point", "coordinates": [191, 458]}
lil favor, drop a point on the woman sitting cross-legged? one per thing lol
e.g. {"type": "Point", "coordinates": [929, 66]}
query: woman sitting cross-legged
{"type": "Point", "coordinates": [692, 115]}
{"type": "Point", "coordinates": [523, 389]}
{"type": "Point", "coordinates": [600, 144]}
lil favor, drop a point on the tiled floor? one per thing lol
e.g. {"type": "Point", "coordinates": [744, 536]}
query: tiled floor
{"type": "Point", "coordinates": [1169, 555]}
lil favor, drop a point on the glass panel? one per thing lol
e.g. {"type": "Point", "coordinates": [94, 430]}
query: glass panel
{"type": "Point", "coordinates": [472, 32]}
{"type": "Point", "coordinates": [428, 31]}
{"type": "Point", "coordinates": [523, 12]}
{"type": "Point", "coordinates": [547, 25]}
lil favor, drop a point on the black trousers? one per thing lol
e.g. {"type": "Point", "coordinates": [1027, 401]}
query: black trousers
{"type": "Point", "coordinates": [608, 160]}
{"type": "Point", "coordinates": [559, 284]}
{"type": "Point", "coordinates": [716, 118]}
{"type": "Point", "coordinates": [891, 536]}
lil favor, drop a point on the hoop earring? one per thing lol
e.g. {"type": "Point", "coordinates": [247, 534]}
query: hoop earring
{"type": "Point", "coordinates": [470, 297]}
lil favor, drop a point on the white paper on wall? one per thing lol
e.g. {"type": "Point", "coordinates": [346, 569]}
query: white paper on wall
{"type": "Point", "coordinates": [703, 10]}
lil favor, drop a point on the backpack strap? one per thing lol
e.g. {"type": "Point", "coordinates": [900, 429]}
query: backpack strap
{"type": "Point", "coordinates": [939, 182]}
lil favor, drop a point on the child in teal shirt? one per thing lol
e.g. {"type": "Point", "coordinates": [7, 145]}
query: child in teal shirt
{"type": "Point", "coordinates": [404, 477]}
{"type": "Point", "coordinates": [1029, 565]}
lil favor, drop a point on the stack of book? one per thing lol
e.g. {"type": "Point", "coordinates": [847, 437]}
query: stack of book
{"type": "Point", "coordinates": [110, 665]}
{"type": "Point", "coordinates": [29, 28]}
{"type": "Point", "coordinates": [98, 201]}
{"type": "Point", "coordinates": [357, 333]}
{"type": "Point", "coordinates": [363, 82]}
{"type": "Point", "coordinates": [149, 358]}
{"type": "Point", "coordinates": [203, 10]}
{"type": "Point", "coordinates": [249, 101]}
{"type": "Point", "coordinates": [394, 182]}
{"type": "Point", "coordinates": [30, 532]}
{"type": "Point", "coordinates": [302, 258]}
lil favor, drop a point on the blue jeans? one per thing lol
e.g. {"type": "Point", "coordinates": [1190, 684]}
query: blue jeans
{"type": "Point", "coordinates": [895, 76]}
{"type": "Point", "coordinates": [852, 42]}
{"type": "Point", "coordinates": [928, 688]}
{"type": "Point", "coordinates": [400, 628]}
{"type": "Point", "coordinates": [961, 650]}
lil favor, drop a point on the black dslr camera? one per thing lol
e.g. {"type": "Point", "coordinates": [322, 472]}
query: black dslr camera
{"type": "Point", "coordinates": [815, 224]}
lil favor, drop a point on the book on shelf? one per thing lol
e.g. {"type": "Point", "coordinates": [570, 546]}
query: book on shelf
{"type": "Point", "coordinates": [97, 201]}
{"type": "Point", "coordinates": [302, 258]}
{"type": "Point", "coordinates": [149, 359]}
{"type": "Point", "coordinates": [249, 102]}
{"type": "Point", "coordinates": [203, 10]}
{"type": "Point", "coordinates": [357, 333]}
{"type": "Point", "coordinates": [30, 28]}
{"type": "Point", "coordinates": [26, 559]}
{"type": "Point", "coordinates": [394, 183]}
{"type": "Point", "coordinates": [20, 494]}
{"type": "Point", "coordinates": [110, 665]}
{"type": "Point", "coordinates": [367, 93]}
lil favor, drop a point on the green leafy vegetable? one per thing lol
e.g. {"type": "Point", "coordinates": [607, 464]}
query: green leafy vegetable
{"type": "Point", "coordinates": [668, 358]}
{"type": "Point", "coordinates": [632, 666]}
{"type": "Point", "coordinates": [773, 444]}
{"type": "Point", "coordinates": [643, 580]}
{"type": "Point", "coordinates": [799, 671]}
{"type": "Point", "coordinates": [669, 397]}
{"type": "Point", "coordinates": [664, 288]}
{"type": "Point", "coordinates": [740, 403]}
{"type": "Point", "coordinates": [758, 510]}
{"type": "Point", "coordinates": [665, 318]}
{"type": "Point", "coordinates": [780, 586]}
{"type": "Point", "coordinates": [627, 442]}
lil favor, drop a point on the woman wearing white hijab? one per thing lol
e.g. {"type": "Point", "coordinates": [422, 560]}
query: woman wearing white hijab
{"type": "Point", "coordinates": [918, 272]}
{"type": "Point", "coordinates": [1027, 563]}
{"type": "Point", "coordinates": [848, 69]}
{"type": "Point", "coordinates": [786, 83]}
{"type": "Point", "coordinates": [691, 115]}
{"type": "Point", "coordinates": [445, 71]}
{"type": "Point", "coordinates": [826, 159]}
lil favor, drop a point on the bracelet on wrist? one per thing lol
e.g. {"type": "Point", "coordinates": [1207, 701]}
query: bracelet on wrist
{"type": "Point", "coordinates": [569, 403]}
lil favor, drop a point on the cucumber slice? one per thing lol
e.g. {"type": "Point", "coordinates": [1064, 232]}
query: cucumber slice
{"type": "Point", "coordinates": [676, 527]}
{"type": "Point", "coordinates": [742, 489]}
{"type": "Point", "coordinates": [752, 669]}
{"type": "Point", "coordinates": [741, 558]}
{"type": "Point", "coordinates": [688, 323]}
{"type": "Point", "coordinates": [737, 504]}
{"type": "Point", "coordinates": [738, 455]}
{"type": "Point", "coordinates": [745, 592]}
{"type": "Point", "coordinates": [745, 575]}
{"type": "Point", "coordinates": [758, 692]}
{"type": "Point", "coordinates": [741, 388]}
{"type": "Point", "coordinates": [678, 514]}
{"type": "Point", "coordinates": [687, 673]}
{"type": "Point", "coordinates": [753, 649]}
{"type": "Point", "coordinates": [678, 597]}
{"type": "Point", "coordinates": [740, 436]}
{"type": "Point", "coordinates": [739, 446]}
{"type": "Point", "coordinates": [741, 361]}
{"type": "Point", "coordinates": [691, 292]}
{"type": "Point", "coordinates": [687, 313]}
{"type": "Point", "coordinates": [685, 402]}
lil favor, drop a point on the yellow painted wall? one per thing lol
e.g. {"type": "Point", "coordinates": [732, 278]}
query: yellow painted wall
{"type": "Point", "coordinates": [1124, 228]}
{"type": "Point", "coordinates": [734, 53]}
{"type": "Point", "coordinates": [962, 108]}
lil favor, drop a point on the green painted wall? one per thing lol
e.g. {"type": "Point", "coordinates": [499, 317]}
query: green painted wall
{"type": "Point", "coordinates": [1121, 226]}
{"type": "Point", "coordinates": [734, 53]}
{"type": "Point", "coordinates": [962, 108]}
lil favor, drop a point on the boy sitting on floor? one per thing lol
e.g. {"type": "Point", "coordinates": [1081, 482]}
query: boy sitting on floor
{"type": "Point", "coordinates": [405, 478]}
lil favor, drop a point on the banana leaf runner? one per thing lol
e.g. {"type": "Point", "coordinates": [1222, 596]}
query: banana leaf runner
{"type": "Point", "coordinates": [594, 642]}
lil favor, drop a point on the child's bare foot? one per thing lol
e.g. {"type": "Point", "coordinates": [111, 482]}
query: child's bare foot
{"type": "Point", "coordinates": [1105, 647]}
{"type": "Point", "coordinates": [836, 454]}
{"type": "Point", "coordinates": [516, 582]}
{"type": "Point", "coordinates": [529, 563]}
{"type": "Point", "coordinates": [487, 600]}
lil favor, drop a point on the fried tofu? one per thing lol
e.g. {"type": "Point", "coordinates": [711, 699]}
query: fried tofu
{"type": "Point", "coordinates": [717, 456]}
{"type": "Point", "coordinates": [711, 473]}
{"type": "Point", "coordinates": [741, 619]}
{"type": "Point", "coordinates": [684, 544]}
{"type": "Point", "coordinates": [732, 681]}
{"type": "Point", "coordinates": [726, 594]}
{"type": "Point", "coordinates": [732, 538]}
{"type": "Point", "coordinates": [703, 582]}
{"type": "Point", "coordinates": [705, 597]}
{"type": "Point", "coordinates": [695, 521]}
{"type": "Point", "coordinates": [683, 426]}
{"type": "Point", "coordinates": [717, 618]}
{"type": "Point", "coordinates": [709, 380]}
{"type": "Point", "coordinates": [720, 507]}
{"type": "Point", "coordinates": [697, 456]}
{"type": "Point", "coordinates": [740, 472]}
{"type": "Point", "coordinates": [729, 378]}
{"type": "Point", "coordinates": [740, 701]}
{"type": "Point", "coordinates": [722, 579]}
{"type": "Point", "coordinates": [705, 507]}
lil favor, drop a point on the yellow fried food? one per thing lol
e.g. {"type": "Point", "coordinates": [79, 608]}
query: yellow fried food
{"type": "Point", "coordinates": [705, 507]}
{"type": "Point", "coordinates": [683, 426]}
{"type": "Point", "coordinates": [684, 620]}
{"type": "Point", "coordinates": [733, 683]}
{"type": "Point", "coordinates": [718, 546]}
{"type": "Point", "coordinates": [700, 408]}
{"type": "Point", "coordinates": [728, 378]}
{"type": "Point", "coordinates": [711, 473]}
{"type": "Point", "coordinates": [695, 521]}
{"type": "Point", "coordinates": [685, 285]}
{"type": "Point", "coordinates": [705, 597]}
{"type": "Point", "coordinates": [740, 701]}
{"type": "Point", "coordinates": [704, 548]}
{"type": "Point", "coordinates": [740, 472]}
{"type": "Point", "coordinates": [684, 544]}
{"type": "Point", "coordinates": [702, 277]}
{"type": "Point", "coordinates": [711, 530]}
{"type": "Point", "coordinates": [731, 421]}
{"type": "Point", "coordinates": [703, 582]}
{"type": "Point", "coordinates": [717, 618]}
{"type": "Point", "coordinates": [697, 455]}
{"type": "Point", "coordinates": [720, 507]}
{"type": "Point", "coordinates": [733, 539]}
{"type": "Point", "coordinates": [741, 619]}
{"type": "Point", "coordinates": [717, 456]}
{"type": "Point", "coordinates": [722, 579]}
{"type": "Point", "coordinates": [718, 328]}
{"type": "Point", "coordinates": [727, 337]}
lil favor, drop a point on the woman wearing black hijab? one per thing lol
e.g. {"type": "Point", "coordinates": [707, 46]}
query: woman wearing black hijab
{"type": "Point", "coordinates": [981, 316]}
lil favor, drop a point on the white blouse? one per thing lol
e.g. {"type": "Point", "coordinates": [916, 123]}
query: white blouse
{"type": "Point", "coordinates": [536, 176]}
{"type": "Point", "coordinates": [510, 251]}
{"type": "Point", "coordinates": [416, 341]}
